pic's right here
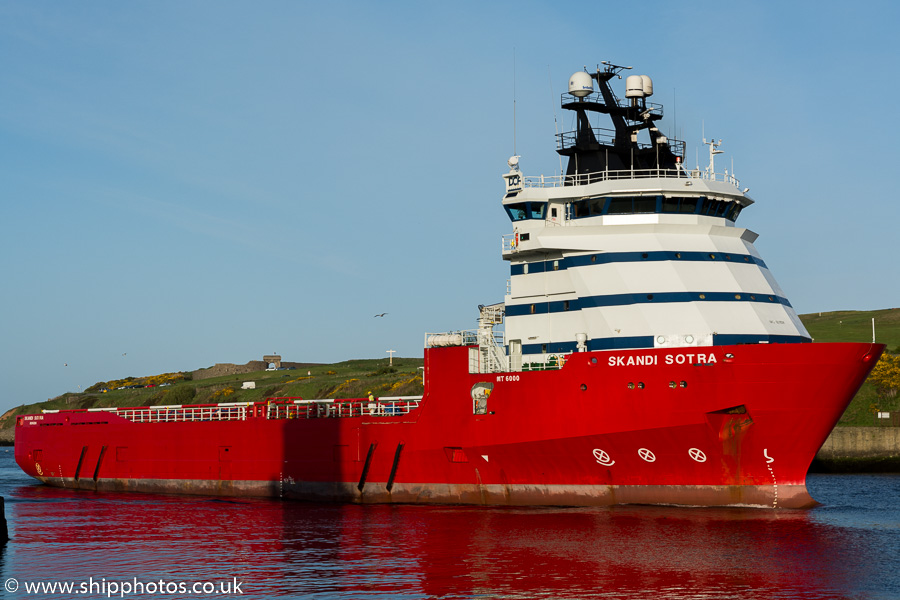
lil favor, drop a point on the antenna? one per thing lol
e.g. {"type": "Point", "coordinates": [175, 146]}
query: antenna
{"type": "Point", "coordinates": [674, 113]}
{"type": "Point", "coordinates": [553, 104]}
{"type": "Point", "coordinates": [514, 102]}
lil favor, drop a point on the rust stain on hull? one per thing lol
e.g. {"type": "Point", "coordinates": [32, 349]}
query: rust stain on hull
{"type": "Point", "coordinates": [762, 496]}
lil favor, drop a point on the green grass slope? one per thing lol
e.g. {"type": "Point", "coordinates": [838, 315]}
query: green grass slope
{"type": "Point", "coordinates": [856, 326]}
{"type": "Point", "coordinates": [348, 379]}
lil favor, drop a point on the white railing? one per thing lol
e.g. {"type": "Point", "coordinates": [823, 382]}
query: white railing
{"type": "Point", "coordinates": [552, 181]}
{"type": "Point", "coordinates": [272, 408]}
{"type": "Point", "coordinates": [236, 411]}
{"type": "Point", "coordinates": [330, 408]}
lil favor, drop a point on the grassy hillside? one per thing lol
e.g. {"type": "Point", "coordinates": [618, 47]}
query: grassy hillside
{"type": "Point", "coordinates": [856, 326]}
{"type": "Point", "coordinates": [349, 379]}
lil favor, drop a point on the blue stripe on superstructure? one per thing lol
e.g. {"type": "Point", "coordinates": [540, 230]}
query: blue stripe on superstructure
{"type": "Point", "coordinates": [604, 258]}
{"type": "Point", "coordinates": [646, 341]}
{"type": "Point", "coordinates": [556, 306]}
{"type": "Point", "coordinates": [733, 339]}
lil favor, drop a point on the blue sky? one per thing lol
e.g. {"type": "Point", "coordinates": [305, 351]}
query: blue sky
{"type": "Point", "coordinates": [186, 183]}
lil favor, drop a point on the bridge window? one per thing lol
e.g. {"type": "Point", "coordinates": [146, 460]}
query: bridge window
{"type": "Point", "coordinates": [526, 210]}
{"type": "Point", "coordinates": [689, 205]}
{"type": "Point", "coordinates": [537, 209]}
{"type": "Point", "coordinates": [628, 205]}
{"type": "Point", "coordinates": [645, 204]}
{"type": "Point", "coordinates": [620, 206]}
{"type": "Point", "coordinates": [670, 205]}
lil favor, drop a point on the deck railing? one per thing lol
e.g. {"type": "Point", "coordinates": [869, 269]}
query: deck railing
{"type": "Point", "coordinates": [297, 408]}
{"type": "Point", "coordinates": [553, 181]}
{"type": "Point", "coordinates": [272, 408]}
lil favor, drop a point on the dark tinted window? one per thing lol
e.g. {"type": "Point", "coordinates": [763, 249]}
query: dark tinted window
{"type": "Point", "coordinates": [526, 210]}
{"type": "Point", "coordinates": [620, 206]}
{"type": "Point", "coordinates": [645, 204]}
{"type": "Point", "coordinates": [689, 205]}
{"type": "Point", "coordinates": [516, 211]}
{"type": "Point", "coordinates": [537, 209]}
{"type": "Point", "coordinates": [670, 205]}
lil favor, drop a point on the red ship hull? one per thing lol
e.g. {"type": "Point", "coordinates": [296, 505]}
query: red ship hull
{"type": "Point", "coordinates": [719, 426]}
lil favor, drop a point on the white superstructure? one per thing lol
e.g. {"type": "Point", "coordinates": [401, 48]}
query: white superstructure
{"type": "Point", "coordinates": [637, 257]}
{"type": "Point", "coordinates": [627, 249]}
{"type": "Point", "coordinates": [637, 263]}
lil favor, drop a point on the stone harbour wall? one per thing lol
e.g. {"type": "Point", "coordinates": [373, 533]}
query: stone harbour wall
{"type": "Point", "coordinates": [860, 450]}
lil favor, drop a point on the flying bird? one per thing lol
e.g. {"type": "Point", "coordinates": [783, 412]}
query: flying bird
{"type": "Point", "coordinates": [381, 315]}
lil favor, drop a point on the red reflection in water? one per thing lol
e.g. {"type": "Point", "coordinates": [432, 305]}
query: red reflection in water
{"type": "Point", "coordinates": [344, 551]}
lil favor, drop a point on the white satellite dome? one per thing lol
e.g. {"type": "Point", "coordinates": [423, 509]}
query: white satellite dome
{"type": "Point", "coordinates": [580, 84]}
{"type": "Point", "coordinates": [634, 86]}
{"type": "Point", "coordinates": [648, 85]}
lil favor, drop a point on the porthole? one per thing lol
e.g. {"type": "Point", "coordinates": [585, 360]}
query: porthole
{"type": "Point", "coordinates": [689, 339]}
{"type": "Point", "coordinates": [583, 387]}
{"type": "Point", "coordinates": [746, 259]}
{"type": "Point", "coordinates": [678, 255]}
{"type": "Point", "coordinates": [737, 296]}
{"type": "Point", "coordinates": [703, 296]}
{"type": "Point", "coordinates": [660, 340]}
{"type": "Point", "coordinates": [672, 384]}
{"type": "Point", "coordinates": [712, 256]}
{"type": "Point", "coordinates": [753, 297]}
{"type": "Point", "coordinates": [771, 299]}
{"type": "Point", "coordinates": [683, 384]}
{"type": "Point", "coordinates": [644, 255]}
{"type": "Point", "coordinates": [649, 296]}
{"type": "Point", "coordinates": [594, 258]}
{"type": "Point", "coordinates": [630, 385]}
{"type": "Point", "coordinates": [640, 385]}
{"type": "Point", "coordinates": [594, 360]}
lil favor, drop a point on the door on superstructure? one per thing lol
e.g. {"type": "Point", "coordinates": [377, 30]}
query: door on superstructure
{"type": "Point", "coordinates": [515, 355]}
{"type": "Point", "coordinates": [555, 215]}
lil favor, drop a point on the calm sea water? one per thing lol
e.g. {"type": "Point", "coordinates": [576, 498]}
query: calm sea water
{"type": "Point", "coordinates": [848, 548]}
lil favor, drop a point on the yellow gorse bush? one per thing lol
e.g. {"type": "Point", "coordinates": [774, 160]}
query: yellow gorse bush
{"type": "Point", "coordinates": [886, 375]}
{"type": "Point", "coordinates": [223, 393]}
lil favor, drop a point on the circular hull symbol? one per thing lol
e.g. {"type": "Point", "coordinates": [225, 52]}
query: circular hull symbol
{"type": "Point", "coordinates": [697, 454]}
{"type": "Point", "coordinates": [603, 458]}
{"type": "Point", "coordinates": [646, 455]}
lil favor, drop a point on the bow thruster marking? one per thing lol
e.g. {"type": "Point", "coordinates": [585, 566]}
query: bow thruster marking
{"type": "Point", "coordinates": [697, 454]}
{"type": "Point", "coordinates": [769, 459]}
{"type": "Point", "coordinates": [603, 458]}
{"type": "Point", "coordinates": [646, 455]}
